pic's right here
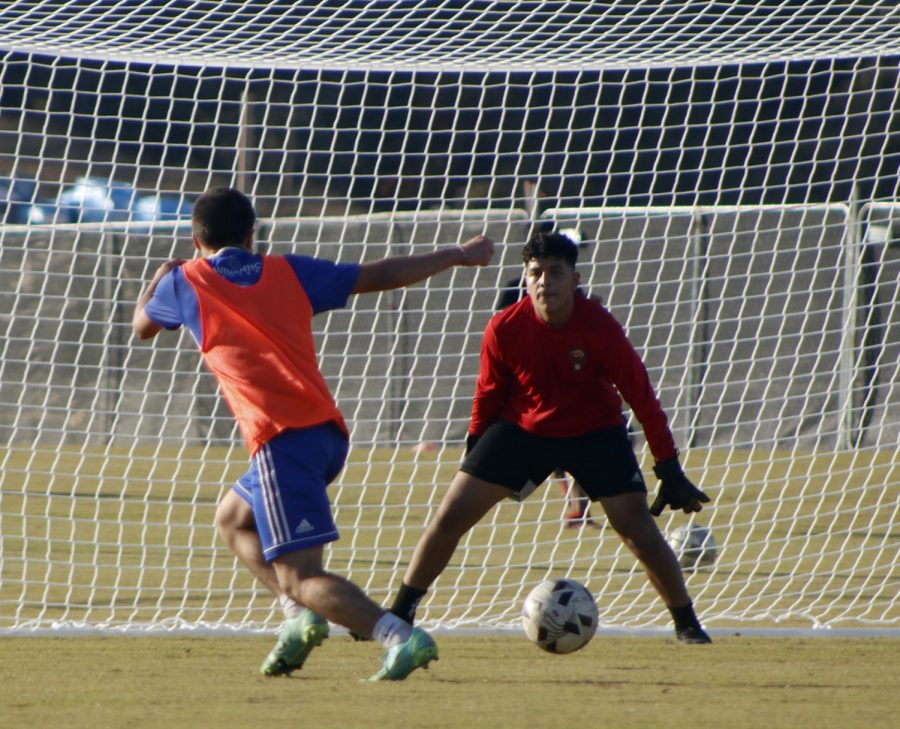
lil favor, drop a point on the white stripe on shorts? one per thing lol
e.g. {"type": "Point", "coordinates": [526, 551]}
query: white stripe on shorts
{"type": "Point", "coordinates": [268, 481]}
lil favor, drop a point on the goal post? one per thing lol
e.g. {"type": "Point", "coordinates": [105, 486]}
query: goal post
{"type": "Point", "coordinates": [731, 172]}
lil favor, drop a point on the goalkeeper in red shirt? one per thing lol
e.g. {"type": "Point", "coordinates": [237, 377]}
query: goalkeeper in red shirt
{"type": "Point", "coordinates": [553, 367]}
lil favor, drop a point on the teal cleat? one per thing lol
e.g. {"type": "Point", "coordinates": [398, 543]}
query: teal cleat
{"type": "Point", "coordinates": [404, 658]}
{"type": "Point", "coordinates": [298, 636]}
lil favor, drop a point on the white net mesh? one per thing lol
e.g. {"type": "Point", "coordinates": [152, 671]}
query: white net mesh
{"type": "Point", "coordinates": [470, 35]}
{"type": "Point", "coordinates": [732, 168]}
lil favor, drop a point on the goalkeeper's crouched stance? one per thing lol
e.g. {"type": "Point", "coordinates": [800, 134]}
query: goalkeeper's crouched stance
{"type": "Point", "coordinates": [251, 316]}
{"type": "Point", "coordinates": [553, 368]}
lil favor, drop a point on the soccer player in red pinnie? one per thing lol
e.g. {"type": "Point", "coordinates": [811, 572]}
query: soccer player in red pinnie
{"type": "Point", "coordinates": [553, 368]}
{"type": "Point", "coordinates": [251, 314]}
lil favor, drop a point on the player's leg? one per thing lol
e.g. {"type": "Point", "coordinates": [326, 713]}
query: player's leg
{"type": "Point", "coordinates": [578, 505]}
{"type": "Point", "coordinates": [302, 577]}
{"type": "Point", "coordinates": [294, 521]}
{"type": "Point", "coordinates": [295, 460]}
{"type": "Point", "coordinates": [630, 517]}
{"type": "Point", "coordinates": [605, 465]}
{"type": "Point", "coordinates": [466, 502]}
{"type": "Point", "coordinates": [573, 508]}
{"type": "Point", "coordinates": [236, 525]}
{"type": "Point", "coordinates": [498, 467]}
{"type": "Point", "coordinates": [237, 528]}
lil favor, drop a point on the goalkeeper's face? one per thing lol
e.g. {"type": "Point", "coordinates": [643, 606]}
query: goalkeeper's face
{"type": "Point", "coordinates": [551, 284]}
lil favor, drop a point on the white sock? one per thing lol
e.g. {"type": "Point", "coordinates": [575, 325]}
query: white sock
{"type": "Point", "coordinates": [291, 609]}
{"type": "Point", "coordinates": [391, 630]}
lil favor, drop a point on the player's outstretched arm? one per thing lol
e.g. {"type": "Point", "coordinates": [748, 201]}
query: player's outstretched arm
{"type": "Point", "coordinates": [399, 271]}
{"type": "Point", "coordinates": [143, 326]}
{"type": "Point", "coordinates": [675, 490]}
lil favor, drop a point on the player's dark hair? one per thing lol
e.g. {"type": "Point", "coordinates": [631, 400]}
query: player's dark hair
{"type": "Point", "coordinates": [546, 244]}
{"type": "Point", "coordinates": [223, 217]}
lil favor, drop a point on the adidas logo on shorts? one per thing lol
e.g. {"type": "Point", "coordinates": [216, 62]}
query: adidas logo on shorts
{"type": "Point", "coordinates": [304, 527]}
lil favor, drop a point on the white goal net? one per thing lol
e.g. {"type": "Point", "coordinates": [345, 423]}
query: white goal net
{"type": "Point", "coordinates": [730, 168]}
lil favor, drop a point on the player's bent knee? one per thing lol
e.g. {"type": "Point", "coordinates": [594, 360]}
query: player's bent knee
{"type": "Point", "coordinates": [232, 514]}
{"type": "Point", "coordinates": [225, 520]}
{"type": "Point", "coordinates": [224, 515]}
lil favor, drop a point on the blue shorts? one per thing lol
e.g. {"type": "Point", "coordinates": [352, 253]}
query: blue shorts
{"type": "Point", "coordinates": [286, 488]}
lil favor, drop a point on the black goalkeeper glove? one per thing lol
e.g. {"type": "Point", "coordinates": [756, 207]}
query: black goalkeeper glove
{"type": "Point", "coordinates": [675, 489]}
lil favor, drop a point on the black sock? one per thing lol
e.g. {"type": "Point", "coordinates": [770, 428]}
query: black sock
{"type": "Point", "coordinates": [406, 602]}
{"type": "Point", "coordinates": [684, 616]}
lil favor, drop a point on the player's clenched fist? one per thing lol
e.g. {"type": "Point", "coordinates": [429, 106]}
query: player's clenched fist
{"type": "Point", "coordinates": [477, 251]}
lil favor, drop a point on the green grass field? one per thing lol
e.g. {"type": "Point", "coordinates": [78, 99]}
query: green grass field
{"type": "Point", "coordinates": [115, 536]}
{"type": "Point", "coordinates": [490, 682]}
{"type": "Point", "coordinates": [106, 537]}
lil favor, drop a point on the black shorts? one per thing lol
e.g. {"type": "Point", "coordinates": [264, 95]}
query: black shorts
{"type": "Point", "coordinates": [603, 462]}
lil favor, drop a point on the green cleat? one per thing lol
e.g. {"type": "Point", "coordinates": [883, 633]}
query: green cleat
{"type": "Point", "coordinates": [298, 636]}
{"type": "Point", "coordinates": [404, 658]}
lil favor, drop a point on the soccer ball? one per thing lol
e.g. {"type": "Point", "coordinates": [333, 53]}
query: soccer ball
{"type": "Point", "coordinates": [693, 545]}
{"type": "Point", "coordinates": [560, 616]}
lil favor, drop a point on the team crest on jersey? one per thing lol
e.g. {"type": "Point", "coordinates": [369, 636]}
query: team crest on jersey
{"type": "Point", "coordinates": [577, 357]}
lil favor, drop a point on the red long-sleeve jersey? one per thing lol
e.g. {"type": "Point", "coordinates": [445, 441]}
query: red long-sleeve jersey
{"type": "Point", "coordinates": [566, 381]}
